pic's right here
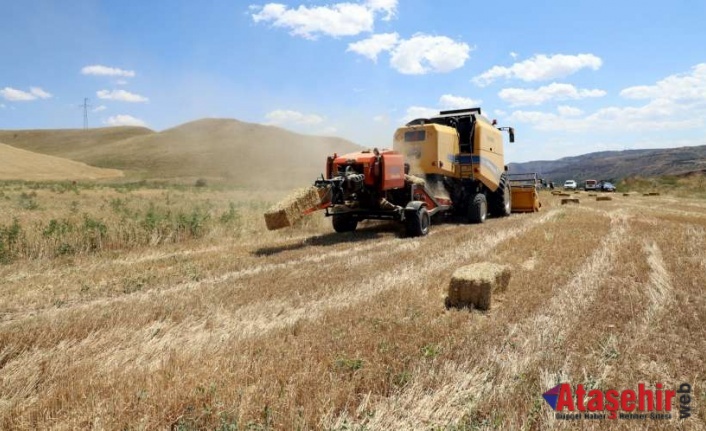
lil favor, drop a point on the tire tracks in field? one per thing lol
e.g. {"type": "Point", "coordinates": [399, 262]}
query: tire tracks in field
{"type": "Point", "coordinates": [489, 380]}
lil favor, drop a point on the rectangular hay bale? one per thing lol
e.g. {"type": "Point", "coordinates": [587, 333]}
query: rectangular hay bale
{"type": "Point", "coordinates": [474, 285]}
{"type": "Point", "coordinates": [570, 201]}
{"type": "Point", "coordinates": [291, 209]}
{"type": "Point", "coordinates": [604, 198]}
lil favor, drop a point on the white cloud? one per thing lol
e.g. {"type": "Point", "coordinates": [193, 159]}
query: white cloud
{"type": "Point", "coordinates": [121, 95]}
{"type": "Point", "coordinates": [100, 108]}
{"type": "Point", "coordinates": [675, 103]}
{"type": "Point", "coordinates": [124, 120]}
{"type": "Point", "coordinates": [289, 117]}
{"type": "Point", "coordinates": [568, 111]}
{"type": "Point", "coordinates": [39, 93]}
{"type": "Point", "coordinates": [340, 19]}
{"type": "Point", "coordinates": [540, 68]}
{"type": "Point", "coordinates": [100, 70]}
{"type": "Point", "coordinates": [513, 54]}
{"type": "Point", "coordinates": [553, 91]}
{"type": "Point", "coordinates": [374, 45]}
{"type": "Point", "coordinates": [414, 112]}
{"type": "Point", "coordinates": [688, 86]}
{"type": "Point", "coordinates": [15, 95]}
{"type": "Point", "coordinates": [424, 53]}
{"type": "Point", "coordinates": [448, 101]}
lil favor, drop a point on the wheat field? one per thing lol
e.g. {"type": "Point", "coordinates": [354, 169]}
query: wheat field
{"type": "Point", "coordinates": [173, 308]}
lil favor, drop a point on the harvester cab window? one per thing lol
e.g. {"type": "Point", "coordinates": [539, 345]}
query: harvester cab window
{"type": "Point", "coordinates": [466, 126]}
{"type": "Point", "coordinates": [415, 136]}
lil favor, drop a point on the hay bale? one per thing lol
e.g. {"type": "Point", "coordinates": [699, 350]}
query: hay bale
{"type": "Point", "coordinates": [626, 194]}
{"type": "Point", "coordinates": [570, 201]}
{"type": "Point", "coordinates": [291, 209]}
{"type": "Point", "coordinates": [473, 285]}
{"type": "Point", "coordinates": [592, 194]}
{"type": "Point", "coordinates": [654, 193]}
{"type": "Point", "coordinates": [415, 180]}
{"type": "Point", "coordinates": [556, 192]}
{"type": "Point", "coordinates": [564, 195]}
{"type": "Point", "coordinates": [604, 198]}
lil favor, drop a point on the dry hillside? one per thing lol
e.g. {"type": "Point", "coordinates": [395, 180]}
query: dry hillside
{"type": "Point", "coordinates": [69, 143]}
{"type": "Point", "coordinates": [246, 329]}
{"type": "Point", "coordinates": [20, 164]}
{"type": "Point", "coordinates": [246, 154]}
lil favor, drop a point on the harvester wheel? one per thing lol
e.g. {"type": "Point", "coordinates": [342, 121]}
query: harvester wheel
{"type": "Point", "coordinates": [418, 223]}
{"type": "Point", "coordinates": [478, 209]}
{"type": "Point", "coordinates": [344, 223]}
{"type": "Point", "coordinates": [500, 201]}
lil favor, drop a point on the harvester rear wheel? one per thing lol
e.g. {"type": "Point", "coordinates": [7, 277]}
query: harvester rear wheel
{"type": "Point", "coordinates": [418, 222]}
{"type": "Point", "coordinates": [344, 223]}
{"type": "Point", "coordinates": [478, 209]}
{"type": "Point", "coordinates": [500, 201]}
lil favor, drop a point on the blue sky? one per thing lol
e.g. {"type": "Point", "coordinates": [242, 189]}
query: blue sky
{"type": "Point", "coordinates": [571, 76]}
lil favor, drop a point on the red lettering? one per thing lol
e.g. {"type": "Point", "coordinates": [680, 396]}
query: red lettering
{"type": "Point", "coordinates": [645, 398]}
{"type": "Point", "coordinates": [627, 400]}
{"type": "Point", "coordinates": [580, 392]}
{"type": "Point", "coordinates": [611, 400]}
{"type": "Point", "coordinates": [565, 398]}
{"type": "Point", "coordinates": [668, 395]}
{"type": "Point", "coordinates": [595, 401]}
{"type": "Point", "coordinates": [659, 396]}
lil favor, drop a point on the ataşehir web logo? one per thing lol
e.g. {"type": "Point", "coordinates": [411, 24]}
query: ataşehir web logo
{"type": "Point", "coordinates": [643, 403]}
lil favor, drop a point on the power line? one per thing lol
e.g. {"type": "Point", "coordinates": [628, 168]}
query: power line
{"type": "Point", "coordinates": [85, 107]}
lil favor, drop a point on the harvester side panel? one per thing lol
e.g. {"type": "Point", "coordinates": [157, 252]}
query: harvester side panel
{"type": "Point", "coordinates": [488, 161]}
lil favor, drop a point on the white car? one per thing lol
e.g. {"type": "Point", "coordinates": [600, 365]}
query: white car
{"type": "Point", "coordinates": [570, 185]}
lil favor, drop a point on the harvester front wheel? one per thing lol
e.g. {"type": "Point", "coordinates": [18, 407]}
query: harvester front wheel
{"type": "Point", "coordinates": [501, 199]}
{"type": "Point", "coordinates": [418, 223]}
{"type": "Point", "coordinates": [344, 223]}
{"type": "Point", "coordinates": [478, 209]}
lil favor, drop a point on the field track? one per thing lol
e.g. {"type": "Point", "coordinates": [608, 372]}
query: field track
{"type": "Point", "coordinates": [323, 331]}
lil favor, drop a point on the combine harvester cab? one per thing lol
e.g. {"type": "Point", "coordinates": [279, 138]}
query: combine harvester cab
{"type": "Point", "coordinates": [524, 193]}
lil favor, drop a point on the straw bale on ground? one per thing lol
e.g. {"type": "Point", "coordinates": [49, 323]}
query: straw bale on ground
{"type": "Point", "coordinates": [570, 201]}
{"type": "Point", "coordinates": [473, 285]}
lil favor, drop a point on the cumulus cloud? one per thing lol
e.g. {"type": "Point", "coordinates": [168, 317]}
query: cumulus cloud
{"type": "Point", "coordinates": [100, 70]}
{"type": "Point", "coordinates": [540, 68]}
{"type": "Point", "coordinates": [568, 111]}
{"type": "Point", "coordinates": [553, 91]}
{"type": "Point", "coordinates": [374, 45]}
{"type": "Point", "coordinates": [423, 53]}
{"type": "Point", "coordinates": [288, 117]}
{"type": "Point", "coordinates": [449, 101]}
{"type": "Point", "coordinates": [121, 95]}
{"type": "Point", "coordinates": [686, 86]}
{"type": "Point", "coordinates": [124, 120]}
{"type": "Point", "coordinates": [340, 19]}
{"type": "Point", "coordinates": [446, 101]}
{"type": "Point", "coordinates": [674, 103]}
{"type": "Point", "coordinates": [15, 95]}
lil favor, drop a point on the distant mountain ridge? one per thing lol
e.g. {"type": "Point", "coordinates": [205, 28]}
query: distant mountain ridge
{"type": "Point", "coordinates": [614, 165]}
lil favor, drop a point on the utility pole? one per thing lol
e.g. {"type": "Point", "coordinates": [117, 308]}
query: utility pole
{"type": "Point", "coordinates": [85, 107]}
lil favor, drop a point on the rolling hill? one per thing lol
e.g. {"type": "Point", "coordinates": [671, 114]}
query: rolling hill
{"type": "Point", "coordinates": [619, 164]}
{"type": "Point", "coordinates": [18, 164]}
{"type": "Point", "coordinates": [242, 153]}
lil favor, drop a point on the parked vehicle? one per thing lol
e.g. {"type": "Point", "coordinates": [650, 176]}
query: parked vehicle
{"type": "Point", "coordinates": [605, 186]}
{"type": "Point", "coordinates": [570, 185]}
{"type": "Point", "coordinates": [590, 185]}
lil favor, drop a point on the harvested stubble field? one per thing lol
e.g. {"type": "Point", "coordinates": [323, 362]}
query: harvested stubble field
{"type": "Point", "coordinates": [145, 308]}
